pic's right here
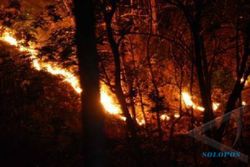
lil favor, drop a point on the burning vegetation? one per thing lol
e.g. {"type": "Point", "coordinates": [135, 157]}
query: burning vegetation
{"type": "Point", "coordinates": [163, 68]}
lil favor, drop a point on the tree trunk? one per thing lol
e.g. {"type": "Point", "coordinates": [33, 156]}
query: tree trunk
{"type": "Point", "coordinates": [158, 118]}
{"type": "Point", "coordinates": [154, 13]}
{"type": "Point", "coordinates": [129, 80]}
{"type": "Point", "coordinates": [202, 72]}
{"type": "Point", "coordinates": [131, 126]}
{"type": "Point", "coordinates": [118, 87]}
{"type": "Point", "coordinates": [92, 112]}
{"type": "Point", "coordinates": [243, 73]}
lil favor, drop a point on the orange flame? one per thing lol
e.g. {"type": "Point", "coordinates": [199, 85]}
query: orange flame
{"type": "Point", "coordinates": [177, 115]}
{"type": "Point", "coordinates": [247, 82]}
{"type": "Point", "coordinates": [165, 117]}
{"type": "Point", "coordinates": [215, 106]}
{"type": "Point", "coordinates": [189, 102]}
{"type": "Point", "coordinates": [187, 98]}
{"type": "Point", "coordinates": [140, 121]}
{"type": "Point", "coordinates": [107, 100]}
{"type": "Point", "coordinates": [7, 37]}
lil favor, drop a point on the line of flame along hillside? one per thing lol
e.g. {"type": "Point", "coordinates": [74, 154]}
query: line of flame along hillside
{"type": "Point", "coordinates": [107, 98]}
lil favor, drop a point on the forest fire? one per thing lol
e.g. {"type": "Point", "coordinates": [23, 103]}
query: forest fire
{"type": "Point", "coordinates": [6, 36]}
{"type": "Point", "coordinates": [107, 100]}
{"type": "Point", "coordinates": [189, 102]}
{"type": "Point", "coordinates": [187, 98]}
{"type": "Point", "coordinates": [134, 83]}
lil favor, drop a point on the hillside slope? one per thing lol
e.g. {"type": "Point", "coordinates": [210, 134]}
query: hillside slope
{"type": "Point", "coordinates": [39, 115]}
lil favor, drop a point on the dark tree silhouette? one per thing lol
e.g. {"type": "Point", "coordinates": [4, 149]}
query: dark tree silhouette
{"type": "Point", "coordinates": [92, 114]}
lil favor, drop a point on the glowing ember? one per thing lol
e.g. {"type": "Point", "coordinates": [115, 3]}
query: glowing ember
{"type": "Point", "coordinates": [177, 115]}
{"type": "Point", "coordinates": [165, 117]}
{"type": "Point", "coordinates": [244, 103]}
{"type": "Point", "coordinates": [123, 118]}
{"type": "Point", "coordinates": [242, 80]}
{"type": "Point", "coordinates": [106, 99]}
{"type": "Point", "coordinates": [140, 122]}
{"type": "Point", "coordinates": [216, 106]}
{"type": "Point", "coordinates": [200, 108]}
